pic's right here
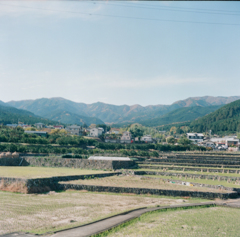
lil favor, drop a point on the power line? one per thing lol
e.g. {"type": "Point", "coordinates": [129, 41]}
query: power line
{"type": "Point", "coordinates": [124, 17]}
{"type": "Point", "coordinates": [163, 9]}
{"type": "Point", "coordinates": [198, 9]}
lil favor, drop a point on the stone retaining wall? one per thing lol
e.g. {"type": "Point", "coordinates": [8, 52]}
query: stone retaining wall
{"type": "Point", "coordinates": [192, 169]}
{"type": "Point", "coordinates": [196, 161]}
{"type": "Point", "coordinates": [219, 187]}
{"type": "Point", "coordinates": [187, 175]}
{"type": "Point", "coordinates": [174, 193]}
{"type": "Point", "coordinates": [67, 162]}
{"type": "Point", "coordinates": [190, 164]}
{"type": "Point", "coordinates": [39, 185]}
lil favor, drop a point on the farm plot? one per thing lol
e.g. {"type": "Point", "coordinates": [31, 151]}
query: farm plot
{"type": "Point", "coordinates": [42, 172]}
{"type": "Point", "coordinates": [139, 182]}
{"type": "Point", "coordinates": [200, 181]}
{"type": "Point", "coordinates": [54, 211]}
{"type": "Point", "coordinates": [225, 173]}
{"type": "Point", "coordinates": [214, 221]}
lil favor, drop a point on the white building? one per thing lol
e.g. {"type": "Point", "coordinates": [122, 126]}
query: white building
{"type": "Point", "coordinates": [40, 125]}
{"type": "Point", "coordinates": [146, 138]}
{"type": "Point", "coordinates": [227, 141]}
{"type": "Point", "coordinates": [195, 137]}
{"type": "Point", "coordinates": [115, 130]}
{"type": "Point", "coordinates": [96, 132]}
{"type": "Point", "coordinates": [74, 130]}
{"type": "Point", "coordinates": [126, 137]}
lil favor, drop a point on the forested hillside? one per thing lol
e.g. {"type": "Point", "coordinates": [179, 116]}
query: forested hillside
{"type": "Point", "coordinates": [225, 119]}
{"type": "Point", "coordinates": [71, 118]}
{"type": "Point", "coordinates": [181, 115]}
{"type": "Point", "coordinates": [12, 115]}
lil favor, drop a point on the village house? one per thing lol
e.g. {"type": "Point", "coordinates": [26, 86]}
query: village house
{"type": "Point", "coordinates": [195, 137]}
{"type": "Point", "coordinates": [74, 130]}
{"type": "Point", "coordinates": [40, 125]}
{"type": "Point", "coordinates": [115, 131]}
{"type": "Point", "coordinates": [96, 132]}
{"type": "Point", "coordinates": [228, 141]}
{"type": "Point", "coordinates": [147, 139]}
{"type": "Point", "coordinates": [126, 137]}
{"type": "Point", "coordinates": [58, 127]}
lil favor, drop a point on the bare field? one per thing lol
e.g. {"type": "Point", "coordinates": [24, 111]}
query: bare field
{"type": "Point", "coordinates": [139, 182]}
{"type": "Point", "coordinates": [54, 211]}
{"type": "Point", "coordinates": [42, 172]}
{"type": "Point", "coordinates": [214, 221]}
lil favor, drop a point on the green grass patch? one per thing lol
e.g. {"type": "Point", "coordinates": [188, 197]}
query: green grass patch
{"type": "Point", "coordinates": [147, 215]}
{"type": "Point", "coordinates": [212, 221]}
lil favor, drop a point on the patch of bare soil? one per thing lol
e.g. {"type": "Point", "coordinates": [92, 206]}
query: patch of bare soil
{"type": "Point", "coordinates": [17, 187]}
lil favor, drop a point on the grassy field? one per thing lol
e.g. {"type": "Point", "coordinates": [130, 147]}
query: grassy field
{"type": "Point", "coordinates": [40, 172]}
{"type": "Point", "coordinates": [54, 211]}
{"type": "Point", "coordinates": [214, 221]}
{"type": "Point", "coordinates": [139, 182]}
{"type": "Point", "coordinates": [201, 181]}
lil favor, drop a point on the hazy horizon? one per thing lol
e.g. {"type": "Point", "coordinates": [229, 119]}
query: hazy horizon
{"type": "Point", "coordinates": [117, 104]}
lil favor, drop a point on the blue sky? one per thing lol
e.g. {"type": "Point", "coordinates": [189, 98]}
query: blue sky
{"type": "Point", "coordinates": [119, 52]}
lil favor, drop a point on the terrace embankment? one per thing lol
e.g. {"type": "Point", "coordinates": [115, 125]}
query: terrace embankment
{"type": "Point", "coordinates": [39, 185]}
{"type": "Point", "coordinates": [190, 175]}
{"type": "Point", "coordinates": [138, 185]}
{"type": "Point", "coordinates": [187, 168]}
{"type": "Point", "coordinates": [67, 162]}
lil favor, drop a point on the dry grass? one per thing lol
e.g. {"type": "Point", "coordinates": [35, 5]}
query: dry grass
{"type": "Point", "coordinates": [41, 172]}
{"type": "Point", "coordinates": [54, 211]}
{"type": "Point", "coordinates": [139, 182]}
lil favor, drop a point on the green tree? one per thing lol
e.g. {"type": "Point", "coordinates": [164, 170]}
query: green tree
{"type": "Point", "coordinates": [171, 140]}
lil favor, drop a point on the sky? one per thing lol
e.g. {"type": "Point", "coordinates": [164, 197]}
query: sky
{"type": "Point", "coordinates": [119, 52]}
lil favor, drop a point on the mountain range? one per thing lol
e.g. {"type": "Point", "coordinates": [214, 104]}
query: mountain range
{"type": "Point", "coordinates": [66, 111]}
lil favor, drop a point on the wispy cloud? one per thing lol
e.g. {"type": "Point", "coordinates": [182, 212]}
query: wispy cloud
{"type": "Point", "coordinates": [132, 83]}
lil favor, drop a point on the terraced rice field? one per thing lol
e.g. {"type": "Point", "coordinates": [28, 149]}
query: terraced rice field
{"type": "Point", "coordinates": [200, 181]}
{"type": "Point", "coordinates": [139, 182]}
